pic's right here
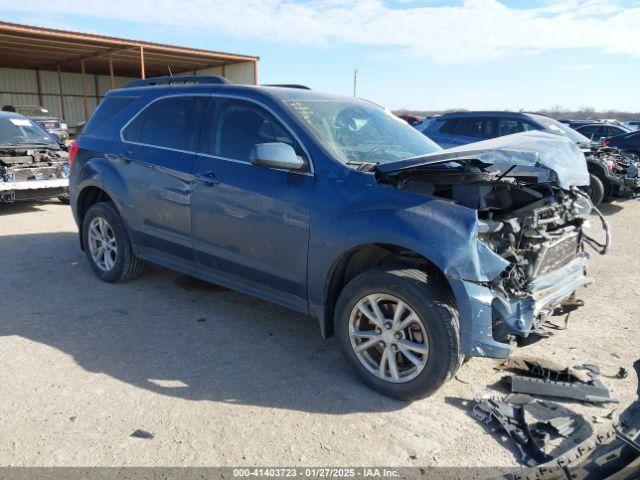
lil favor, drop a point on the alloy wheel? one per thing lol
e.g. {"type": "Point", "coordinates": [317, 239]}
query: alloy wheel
{"type": "Point", "coordinates": [388, 338]}
{"type": "Point", "coordinates": [102, 244]}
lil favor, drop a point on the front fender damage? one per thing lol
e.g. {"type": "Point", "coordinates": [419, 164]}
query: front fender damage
{"type": "Point", "coordinates": [527, 255]}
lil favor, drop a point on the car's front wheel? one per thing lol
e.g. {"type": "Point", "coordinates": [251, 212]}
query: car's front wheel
{"type": "Point", "coordinates": [399, 331]}
{"type": "Point", "coordinates": [597, 190]}
{"type": "Point", "coordinates": [107, 246]}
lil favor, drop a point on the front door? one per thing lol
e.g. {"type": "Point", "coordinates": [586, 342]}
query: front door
{"type": "Point", "coordinates": [250, 224]}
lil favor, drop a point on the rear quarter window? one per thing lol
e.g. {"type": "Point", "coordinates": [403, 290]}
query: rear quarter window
{"type": "Point", "coordinates": [106, 110]}
{"type": "Point", "coordinates": [168, 123]}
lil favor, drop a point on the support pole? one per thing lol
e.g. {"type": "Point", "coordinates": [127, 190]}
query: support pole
{"type": "Point", "coordinates": [96, 88]}
{"type": "Point", "coordinates": [39, 86]}
{"type": "Point", "coordinates": [113, 78]}
{"type": "Point", "coordinates": [255, 72]}
{"type": "Point", "coordinates": [142, 75]}
{"type": "Point", "coordinates": [84, 91]}
{"type": "Point", "coordinates": [61, 92]}
{"type": "Point", "coordinates": [224, 70]}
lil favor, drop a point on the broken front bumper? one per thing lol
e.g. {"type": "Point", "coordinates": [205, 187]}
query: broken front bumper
{"type": "Point", "coordinates": [487, 317]}
{"type": "Point", "coordinates": [32, 189]}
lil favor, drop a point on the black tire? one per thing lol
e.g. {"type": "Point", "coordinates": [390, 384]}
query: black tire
{"type": "Point", "coordinates": [433, 304]}
{"type": "Point", "coordinates": [597, 190]}
{"type": "Point", "coordinates": [127, 266]}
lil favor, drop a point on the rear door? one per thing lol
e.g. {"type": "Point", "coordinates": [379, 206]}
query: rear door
{"type": "Point", "coordinates": [158, 154]}
{"type": "Point", "coordinates": [250, 223]}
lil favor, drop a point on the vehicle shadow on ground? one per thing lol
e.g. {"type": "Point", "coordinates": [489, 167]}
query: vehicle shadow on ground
{"type": "Point", "coordinates": [25, 207]}
{"type": "Point", "coordinates": [173, 335]}
{"type": "Point", "coordinates": [608, 209]}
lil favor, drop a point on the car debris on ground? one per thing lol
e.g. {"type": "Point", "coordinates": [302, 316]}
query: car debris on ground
{"type": "Point", "coordinates": [548, 378]}
{"type": "Point", "coordinates": [557, 443]}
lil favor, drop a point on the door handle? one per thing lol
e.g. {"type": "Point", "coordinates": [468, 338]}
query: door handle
{"type": "Point", "coordinates": [208, 178]}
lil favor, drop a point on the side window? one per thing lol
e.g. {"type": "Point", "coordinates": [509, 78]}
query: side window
{"type": "Point", "coordinates": [240, 125]}
{"type": "Point", "coordinates": [107, 109]}
{"type": "Point", "coordinates": [507, 126]}
{"type": "Point", "coordinates": [527, 126]}
{"type": "Point", "coordinates": [449, 126]}
{"type": "Point", "coordinates": [588, 132]}
{"type": "Point", "coordinates": [169, 123]}
{"type": "Point", "coordinates": [476, 127]}
{"type": "Point", "coordinates": [611, 131]}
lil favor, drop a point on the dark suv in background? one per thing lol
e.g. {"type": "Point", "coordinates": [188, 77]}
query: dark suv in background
{"type": "Point", "coordinates": [336, 208]}
{"type": "Point", "coordinates": [610, 174]}
{"type": "Point", "coordinates": [599, 131]}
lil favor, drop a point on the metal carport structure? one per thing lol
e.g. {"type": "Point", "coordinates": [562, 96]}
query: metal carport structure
{"type": "Point", "coordinates": [69, 72]}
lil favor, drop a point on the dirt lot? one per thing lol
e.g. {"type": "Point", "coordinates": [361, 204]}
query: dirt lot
{"type": "Point", "coordinates": [222, 379]}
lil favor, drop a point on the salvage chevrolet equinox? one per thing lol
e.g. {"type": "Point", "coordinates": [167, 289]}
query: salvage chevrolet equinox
{"type": "Point", "coordinates": [414, 256]}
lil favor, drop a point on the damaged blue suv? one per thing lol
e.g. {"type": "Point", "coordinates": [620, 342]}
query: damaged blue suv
{"type": "Point", "coordinates": [413, 256]}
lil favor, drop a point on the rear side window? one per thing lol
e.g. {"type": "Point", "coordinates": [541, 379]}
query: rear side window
{"type": "Point", "coordinates": [449, 126]}
{"type": "Point", "coordinates": [107, 109]}
{"type": "Point", "coordinates": [588, 131]}
{"type": "Point", "coordinates": [507, 126]}
{"type": "Point", "coordinates": [475, 127]}
{"type": "Point", "coordinates": [169, 123]}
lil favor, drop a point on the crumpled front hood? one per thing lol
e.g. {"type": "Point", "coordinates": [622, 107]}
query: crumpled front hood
{"type": "Point", "coordinates": [534, 148]}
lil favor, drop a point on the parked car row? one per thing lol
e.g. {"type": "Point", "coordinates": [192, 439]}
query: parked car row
{"type": "Point", "coordinates": [613, 172]}
{"type": "Point", "coordinates": [414, 256]}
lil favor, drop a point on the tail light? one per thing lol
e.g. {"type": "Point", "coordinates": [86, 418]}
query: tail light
{"type": "Point", "coordinates": [606, 142]}
{"type": "Point", "coordinates": [73, 151]}
{"type": "Point", "coordinates": [609, 164]}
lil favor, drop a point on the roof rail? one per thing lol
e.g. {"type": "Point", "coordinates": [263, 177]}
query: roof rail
{"type": "Point", "coordinates": [287, 85]}
{"type": "Point", "coordinates": [187, 79]}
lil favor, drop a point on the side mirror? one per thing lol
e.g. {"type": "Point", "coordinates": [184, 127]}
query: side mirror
{"type": "Point", "coordinates": [276, 155]}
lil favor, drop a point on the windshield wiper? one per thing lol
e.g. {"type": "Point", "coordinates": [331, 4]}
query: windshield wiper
{"type": "Point", "coordinates": [362, 166]}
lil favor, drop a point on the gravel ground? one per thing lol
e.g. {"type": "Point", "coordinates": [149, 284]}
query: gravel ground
{"type": "Point", "coordinates": [222, 379]}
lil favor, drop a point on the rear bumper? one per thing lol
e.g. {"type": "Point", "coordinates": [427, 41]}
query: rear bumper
{"type": "Point", "coordinates": [487, 317]}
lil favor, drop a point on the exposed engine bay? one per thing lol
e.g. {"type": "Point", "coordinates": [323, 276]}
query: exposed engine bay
{"type": "Point", "coordinates": [523, 217]}
{"type": "Point", "coordinates": [623, 166]}
{"type": "Point", "coordinates": [30, 173]}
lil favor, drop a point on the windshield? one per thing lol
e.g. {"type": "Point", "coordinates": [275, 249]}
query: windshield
{"type": "Point", "coordinates": [18, 131]}
{"type": "Point", "coordinates": [359, 132]}
{"type": "Point", "coordinates": [558, 127]}
{"type": "Point", "coordinates": [32, 111]}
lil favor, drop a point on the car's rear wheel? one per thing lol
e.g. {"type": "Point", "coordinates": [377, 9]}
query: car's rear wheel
{"type": "Point", "coordinates": [107, 246]}
{"type": "Point", "coordinates": [399, 332]}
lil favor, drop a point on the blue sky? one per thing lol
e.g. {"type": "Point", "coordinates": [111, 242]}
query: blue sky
{"type": "Point", "coordinates": [417, 54]}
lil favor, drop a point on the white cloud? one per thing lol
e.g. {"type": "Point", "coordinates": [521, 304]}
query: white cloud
{"type": "Point", "coordinates": [472, 31]}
